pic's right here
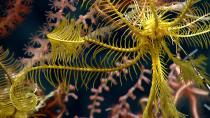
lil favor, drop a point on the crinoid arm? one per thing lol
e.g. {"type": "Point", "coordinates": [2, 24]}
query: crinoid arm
{"type": "Point", "coordinates": [22, 95]}
{"type": "Point", "coordinates": [183, 12]}
{"type": "Point", "coordinates": [9, 69]}
{"type": "Point", "coordinates": [81, 57]}
{"type": "Point", "coordinates": [193, 32]}
{"type": "Point", "coordinates": [160, 93]}
{"type": "Point", "coordinates": [66, 40]}
{"type": "Point", "coordinates": [9, 63]}
{"type": "Point", "coordinates": [6, 106]}
{"type": "Point", "coordinates": [192, 68]}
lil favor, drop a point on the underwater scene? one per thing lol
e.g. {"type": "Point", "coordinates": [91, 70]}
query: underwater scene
{"type": "Point", "coordinates": [104, 59]}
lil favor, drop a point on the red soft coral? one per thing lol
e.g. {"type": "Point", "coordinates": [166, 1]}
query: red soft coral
{"type": "Point", "coordinates": [16, 10]}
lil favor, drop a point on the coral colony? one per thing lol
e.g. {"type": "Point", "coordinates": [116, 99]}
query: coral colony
{"type": "Point", "coordinates": [102, 44]}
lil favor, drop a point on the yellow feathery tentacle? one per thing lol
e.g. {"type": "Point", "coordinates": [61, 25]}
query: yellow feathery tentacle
{"type": "Point", "coordinates": [190, 23]}
{"type": "Point", "coordinates": [193, 32]}
{"type": "Point", "coordinates": [22, 95]}
{"type": "Point", "coordinates": [21, 114]}
{"type": "Point", "coordinates": [191, 70]}
{"type": "Point", "coordinates": [6, 106]}
{"type": "Point", "coordinates": [67, 37]}
{"type": "Point", "coordinates": [159, 92]}
{"type": "Point", "coordinates": [152, 6]}
{"type": "Point", "coordinates": [66, 40]}
{"type": "Point", "coordinates": [196, 36]}
{"type": "Point", "coordinates": [112, 47]}
{"type": "Point", "coordinates": [9, 64]}
{"type": "Point", "coordinates": [184, 11]}
{"type": "Point", "coordinates": [55, 74]}
{"type": "Point", "coordinates": [121, 16]}
{"type": "Point", "coordinates": [191, 35]}
{"type": "Point", "coordinates": [89, 69]}
{"type": "Point", "coordinates": [9, 67]}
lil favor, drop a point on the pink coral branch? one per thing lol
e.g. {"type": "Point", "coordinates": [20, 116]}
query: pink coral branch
{"type": "Point", "coordinates": [185, 89]}
{"type": "Point", "coordinates": [15, 8]}
{"type": "Point", "coordinates": [122, 109]}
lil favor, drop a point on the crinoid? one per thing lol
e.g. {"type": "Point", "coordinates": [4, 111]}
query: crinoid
{"type": "Point", "coordinates": [150, 30]}
{"type": "Point", "coordinates": [135, 29]}
{"type": "Point", "coordinates": [141, 28]}
{"type": "Point", "coordinates": [16, 96]}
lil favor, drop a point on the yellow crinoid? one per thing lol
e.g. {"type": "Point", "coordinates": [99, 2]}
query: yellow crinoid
{"type": "Point", "coordinates": [15, 96]}
{"type": "Point", "coordinates": [128, 28]}
{"type": "Point", "coordinates": [142, 27]}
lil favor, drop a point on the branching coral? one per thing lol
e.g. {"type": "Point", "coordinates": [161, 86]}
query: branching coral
{"type": "Point", "coordinates": [188, 90]}
{"type": "Point", "coordinates": [122, 109]}
{"type": "Point", "coordinates": [13, 14]}
{"type": "Point", "coordinates": [55, 101]}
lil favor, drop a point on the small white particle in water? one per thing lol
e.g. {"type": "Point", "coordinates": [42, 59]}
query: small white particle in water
{"type": "Point", "coordinates": [207, 106]}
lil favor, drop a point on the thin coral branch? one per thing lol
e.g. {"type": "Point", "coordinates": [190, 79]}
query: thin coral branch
{"type": "Point", "coordinates": [58, 98]}
{"type": "Point", "coordinates": [122, 109]}
{"type": "Point", "coordinates": [15, 8]}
